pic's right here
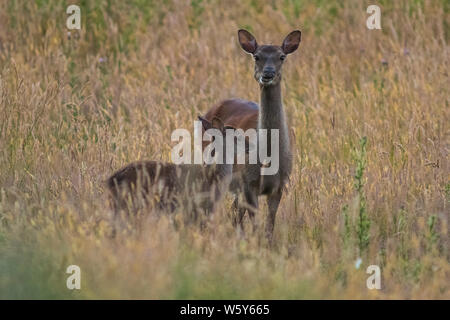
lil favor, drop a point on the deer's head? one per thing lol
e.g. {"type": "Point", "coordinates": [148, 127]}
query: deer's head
{"type": "Point", "coordinates": [269, 58]}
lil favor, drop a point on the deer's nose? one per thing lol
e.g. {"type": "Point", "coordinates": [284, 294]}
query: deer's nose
{"type": "Point", "coordinates": [268, 73]}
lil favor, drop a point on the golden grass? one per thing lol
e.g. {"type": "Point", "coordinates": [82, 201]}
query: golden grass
{"type": "Point", "coordinates": [74, 109]}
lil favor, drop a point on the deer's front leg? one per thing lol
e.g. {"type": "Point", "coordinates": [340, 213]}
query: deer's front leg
{"type": "Point", "coordinates": [243, 201]}
{"type": "Point", "coordinates": [273, 201]}
{"type": "Point", "coordinates": [238, 212]}
{"type": "Point", "coordinates": [251, 197]}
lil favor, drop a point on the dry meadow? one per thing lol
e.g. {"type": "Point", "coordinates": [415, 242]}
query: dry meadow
{"type": "Point", "coordinates": [368, 110]}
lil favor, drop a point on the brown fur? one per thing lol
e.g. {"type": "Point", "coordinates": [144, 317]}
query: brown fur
{"type": "Point", "coordinates": [169, 186]}
{"type": "Point", "coordinates": [247, 180]}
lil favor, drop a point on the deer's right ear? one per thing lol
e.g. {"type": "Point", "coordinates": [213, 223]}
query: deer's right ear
{"type": "Point", "coordinates": [247, 41]}
{"type": "Point", "coordinates": [205, 123]}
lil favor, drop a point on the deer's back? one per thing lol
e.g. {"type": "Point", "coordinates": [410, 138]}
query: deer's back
{"type": "Point", "coordinates": [238, 113]}
{"type": "Point", "coordinates": [167, 183]}
{"type": "Point", "coordinates": [143, 177]}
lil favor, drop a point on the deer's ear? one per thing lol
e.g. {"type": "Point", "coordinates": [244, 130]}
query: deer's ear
{"type": "Point", "coordinates": [291, 42]}
{"type": "Point", "coordinates": [217, 123]}
{"type": "Point", "coordinates": [247, 41]}
{"type": "Point", "coordinates": [205, 123]}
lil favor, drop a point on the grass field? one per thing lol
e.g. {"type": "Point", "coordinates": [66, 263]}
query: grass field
{"type": "Point", "coordinates": [369, 110]}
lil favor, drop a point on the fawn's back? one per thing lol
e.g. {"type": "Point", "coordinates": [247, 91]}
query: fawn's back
{"type": "Point", "coordinates": [166, 184]}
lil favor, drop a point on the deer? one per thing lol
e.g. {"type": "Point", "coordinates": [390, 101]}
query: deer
{"type": "Point", "coordinates": [243, 114]}
{"type": "Point", "coordinates": [168, 186]}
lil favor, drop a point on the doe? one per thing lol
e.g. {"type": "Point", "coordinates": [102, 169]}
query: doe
{"type": "Point", "coordinates": [243, 114]}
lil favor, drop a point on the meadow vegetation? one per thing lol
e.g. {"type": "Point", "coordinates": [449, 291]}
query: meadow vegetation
{"type": "Point", "coordinates": [370, 120]}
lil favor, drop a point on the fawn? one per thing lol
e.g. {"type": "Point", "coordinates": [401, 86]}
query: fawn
{"type": "Point", "coordinates": [193, 187]}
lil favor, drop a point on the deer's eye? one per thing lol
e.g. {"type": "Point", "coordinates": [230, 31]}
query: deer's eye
{"type": "Point", "coordinates": [256, 58]}
{"type": "Point", "coordinates": [282, 57]}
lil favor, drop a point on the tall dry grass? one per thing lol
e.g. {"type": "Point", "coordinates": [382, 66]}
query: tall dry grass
{"type": "Point", "coordinates": [75, 107]}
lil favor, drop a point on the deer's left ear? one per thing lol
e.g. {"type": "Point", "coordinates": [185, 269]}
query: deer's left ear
{"type": "Point", "coordinates": [291, 42]}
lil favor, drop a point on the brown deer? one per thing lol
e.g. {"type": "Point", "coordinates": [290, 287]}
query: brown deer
{"type": "Point", "coordinates": [244, 114]}
{"type": "Point", "coordinates": [194, 187]}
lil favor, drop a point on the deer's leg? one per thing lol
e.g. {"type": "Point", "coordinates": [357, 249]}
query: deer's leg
{"type": "Point", "coordinates": [273, 201]}
{"type": "Point", "coordinates": [238, 213]}
{"type": "Point", "coordinates": [237, 216]}
{"type": "Point", "coordinates": [251, 197]}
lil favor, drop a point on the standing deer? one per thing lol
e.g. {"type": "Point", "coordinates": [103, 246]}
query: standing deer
{"type": "Point", "coordinates": [194, 187]}
{"type": "Point", "coordinates": [245, 114]}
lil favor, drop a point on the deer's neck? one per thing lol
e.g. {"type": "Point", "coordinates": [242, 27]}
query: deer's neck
{"type": "Point", "coordinates": [271, 115]}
